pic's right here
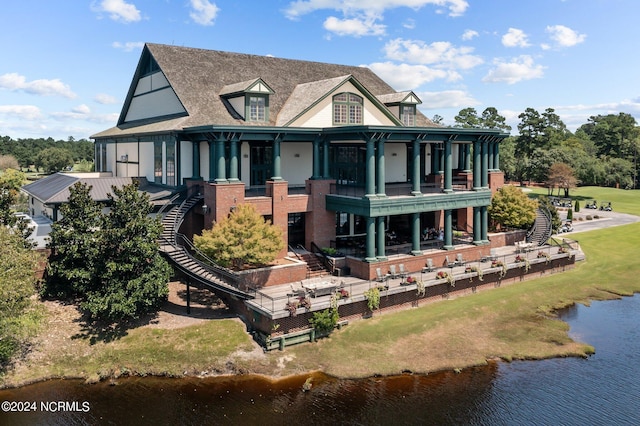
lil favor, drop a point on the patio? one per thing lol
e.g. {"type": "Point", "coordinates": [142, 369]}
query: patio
{"type": "Point", "coordinates": [272, 301]}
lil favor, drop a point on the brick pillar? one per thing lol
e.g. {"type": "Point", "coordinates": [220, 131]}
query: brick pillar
{"type": "Point", "coordinates": [278, 190]}
{"type": "Point", "coordinates": [220, 199]}
{"type": "Point", "coordinates": [320, 223]}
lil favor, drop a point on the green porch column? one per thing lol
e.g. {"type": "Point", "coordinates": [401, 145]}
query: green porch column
{"type": "Point", "coordinates": [276, 160]}
{"type": "Point", "coordinates": [467, 157]}
{"type": "Point", "coordinates": [448, 231]}
{"type": "Point", "coordinates": [485, 225]}
{"type": "Point", "coordinates": [496, 156]}
{"type": "Point", "coordinates": [477, 226]}
{"type": "Point", "coordinates": [325, 159]}
{"type": "Point", "coordinates": [233, 161]}
{"type": "Point", "coordinates": [221, 162]}
{"type": "Point", "coordinates": [212, 160]}
{"type": "Point", "coordinates": [370, 179]}
{"type": "Point", "coordinates": [477, 163]}
{"type": "Point", "coordinates": [380, 236]}
{"type": "Point", "coordinates": [485, 165]}
{"type": "Point", "coordinates": [415, 178]}
{"type": "Point", "coordinates": [461, 156]}
{"type": "Point", "coordinates": [196, 159]}
{"type": "Point", "coordinates": [415, 234]}
{"type": "Point", "coordinates": [448, 167]}
{"type": "Point", "coordinates": [316, 159]}
{"type": "Point", "coordinates": [380, 168]}
{"type": "Point", "coordinates": [370, 248]}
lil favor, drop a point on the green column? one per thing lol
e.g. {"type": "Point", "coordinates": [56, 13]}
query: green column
{"type": "Point", "coordinates": [485, 224]}
{"type": "Point", "coordinates": [415, 178]}
{"type": "Point", "coordinates": [276, 160]}
{"type": "Point", "coordinates": [370, 248]}
{"type": "Point", "coordinates": [467, 157]}
{"type": "Point", "coordinates": [196, 159]}
{"type": "Point", "coordinates": [316, 159]}
{"type": "Point", "coordinates": [477, 226]}
{"type": "Point", "coordinates": [233, 161]}
{"type": "Point", "coordinates": [484, 174]}
{"type": "Point", "coordinates": [460, 156]}
{"type": "Point", "coordinates": [221, 162]}
{"type": "Point", "coordinates": [380, 236]}
{"type": "Point", "coordinates": [380, 168]}
{"type": "Point", "coordinates": [371, 170]}
{"type": "Point", "coordinates": [325, 159]}
{"type": "Point", "coordinates": [212, 161]}
{"type": "Point", "coordinates": [448, 231]}
{"type": "Point", "coordinates": [477, 163]}
{"type": "Point", "coordinates": [448, 167]}
{"type": "Point", "coordinates": [496, 156]}
{"type": "Point", "coordinates": [415, 234]}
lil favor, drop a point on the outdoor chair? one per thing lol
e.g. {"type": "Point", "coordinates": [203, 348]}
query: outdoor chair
{"type": "Point", "coordinates": [392, 271]}
{"type": "Point", "coordinates": [459, 259]}
{"type": "Point", "coordinates": [379, 277]}
{"type": "Point", "coordinates": [297, 292]}
{"type": "Point", "coordinates": [429, 266]}
{"type": "Point", "coordinates": [403, 272]}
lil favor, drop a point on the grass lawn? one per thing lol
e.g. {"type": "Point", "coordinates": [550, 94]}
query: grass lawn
{"type": "Point", "coordinates": [512, 322]}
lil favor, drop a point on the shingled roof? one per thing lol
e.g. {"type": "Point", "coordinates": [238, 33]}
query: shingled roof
{"type": "Point", "coordinates": [198, 77]}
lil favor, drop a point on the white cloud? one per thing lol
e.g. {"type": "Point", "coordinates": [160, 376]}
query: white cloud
{"type": "Point", "coordinates": [204, 12]}
{"type": "Point", "coordinates": [518, 69]}
{"type": "Point", "coordinates": [17, 82]}
{"type": "Point", "coordinates": [354, 27]}
{"type": "Point", "coordinates": [303, 7]}
{"type": "Point", "coordinates": [469, 34]}
{"type": "Point", "coordinates": [515, 38]}
{"type": "Point", "coordinates": [409, 24]}
{"type": "Point", "coordinates": [128, 46]}
{"type": "Point", "coordinates": [442, 54]}
{"type": "Point", "coordinates": [409, 77]}
{"type": "Point", "coordinates": [565, 36]}
{"type": "Point", "coordinates": [446, 99]}
{"type": "Point", "coordinates": [23, 112]}
{"type": "Point", "coordinates": [118, 10]}
{"type": "Point", "coordinates": [104, 99]}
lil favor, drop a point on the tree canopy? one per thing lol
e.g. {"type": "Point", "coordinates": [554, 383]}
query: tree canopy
{"type": "Point", "coordinates": [52, 160]}
{"type": "Point", "coordinates": [25, 151]}
{"type": "Point", "coordinates": [110, 261]}
{"type": "Point", "coordinates": [17, 280]}
{"type": "Point", "coordinates": [511, 208]}
{"type": "Point", "coordinates": [242, 238]}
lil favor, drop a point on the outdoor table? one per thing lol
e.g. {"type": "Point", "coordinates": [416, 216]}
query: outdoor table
{"type": "Point", "coordinates": [322, 288]}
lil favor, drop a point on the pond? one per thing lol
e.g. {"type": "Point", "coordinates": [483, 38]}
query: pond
{"type": "Point", "coordinates": [602, 389]}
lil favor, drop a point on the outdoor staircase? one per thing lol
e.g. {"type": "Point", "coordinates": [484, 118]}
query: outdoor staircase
{"type": "Point", "coordinates": [315, 267]}
{"type": "Point", "coordinates": [178, 249]}
{"type": "Point", "coordinates": [542, 228]}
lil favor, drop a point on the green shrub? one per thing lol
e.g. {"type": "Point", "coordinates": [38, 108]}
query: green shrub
{"type": "Point", "coordinates": [569, 214]}
{"type": "Point", "coordinates": [325, 321]}
{"type": "Point", "coordinates": [577, 208]}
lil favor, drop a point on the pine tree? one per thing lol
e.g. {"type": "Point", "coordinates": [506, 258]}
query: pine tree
{"type": "Point", "coordinates": [244, 238]}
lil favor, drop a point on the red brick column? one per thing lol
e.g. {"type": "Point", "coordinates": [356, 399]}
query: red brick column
{"type": "Point", "coordinates": [278, 190]}
{"type": "Point", "coordinates": [320, 223]}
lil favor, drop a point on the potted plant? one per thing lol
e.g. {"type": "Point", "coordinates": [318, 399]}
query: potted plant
{"type": "Point", "coordinates": [292, 307]}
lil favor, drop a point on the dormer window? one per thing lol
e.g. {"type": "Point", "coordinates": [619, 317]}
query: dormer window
{"type": "Point", "coordinates": [347, 109]}
{"type": "Point", "coordinates": [248, 100]}
{"type": "Point", "coordinates": [408, 115]}
{"type": "Point", "coordinates": [257, 108]}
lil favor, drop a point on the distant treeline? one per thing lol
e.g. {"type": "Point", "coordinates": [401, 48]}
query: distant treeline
{"type": "Point", "coordinates": [26, 150]}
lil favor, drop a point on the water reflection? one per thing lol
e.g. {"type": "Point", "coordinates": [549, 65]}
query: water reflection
{"type": "Point", "coordinates": [600, 390]}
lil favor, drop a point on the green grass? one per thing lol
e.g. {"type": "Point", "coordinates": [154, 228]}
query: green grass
{"type": "Point", "coordinates": [622, 200]}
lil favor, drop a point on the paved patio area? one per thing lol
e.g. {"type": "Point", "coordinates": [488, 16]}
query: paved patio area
{"type": "Point", "coordinates": [272, 300]}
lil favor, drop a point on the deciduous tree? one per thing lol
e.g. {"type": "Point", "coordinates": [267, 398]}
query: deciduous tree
{"type": "Point", "coordinates": [511, 208]}
{"type": "Point", "coordinates": [242, 238]}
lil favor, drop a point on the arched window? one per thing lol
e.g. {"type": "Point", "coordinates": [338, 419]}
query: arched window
{"type": "Point", "coordinates": [347, 109]}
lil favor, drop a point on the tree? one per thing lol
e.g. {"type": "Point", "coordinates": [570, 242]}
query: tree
{"type": "Point", "coordinates": [437, 119]}
{"type": "Point", "coordinates": [110, 262]}
{"type": "Point", "coordinates": [10, 183]}
{"type": "Point", "coordinates": [492, 120]}
{"type": "Point", "coordinates": [53, 160]}
{"type": "Point", "coordinates": [131, 275]}
{"type": "Point", "coordinates": [8, 162]}
{"type": "Point", "coordinates": [511, 208]}
{"type": "Point", "coordinates": [242, 238]}
{"type": "Point", "coordinates": [467, 118]}
{"type": "Point", "coordinates": [17, 280]}
{"type": "Point", "coordinates": [561, 175]}
{"type": "Point", "coordinates": [74, 244]}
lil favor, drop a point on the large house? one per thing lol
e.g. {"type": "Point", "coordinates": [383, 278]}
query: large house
{"type": "Point", "coordinates": [330, 153]}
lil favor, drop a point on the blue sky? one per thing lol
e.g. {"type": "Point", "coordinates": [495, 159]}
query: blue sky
{"type": "Point", "coordinates": [67, 64]}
